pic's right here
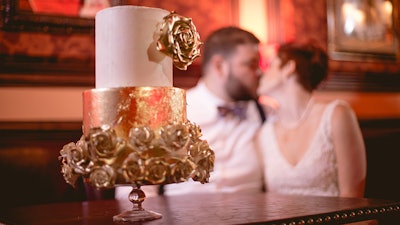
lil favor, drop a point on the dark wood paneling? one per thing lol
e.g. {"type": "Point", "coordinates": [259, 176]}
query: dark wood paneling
{"type": "Point", "coordinates": [37, 71]}
{"type": "Point", "coordinates": [29, 167]}
{"type": "Point", "coordinates": [383, 156]}
{"type": "Point", "coordinates": [44, 71]}
{"type": "Point", "coordinates": [30, 171]}
{"type": "Point", "coordinates": [363, 82]}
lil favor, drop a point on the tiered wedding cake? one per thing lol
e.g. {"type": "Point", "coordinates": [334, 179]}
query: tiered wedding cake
{"type": "Point", "coordinates": [135, 130]}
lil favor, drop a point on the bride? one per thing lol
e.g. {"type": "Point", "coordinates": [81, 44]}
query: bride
{"type": "Point", "coordinates": [309, 146]}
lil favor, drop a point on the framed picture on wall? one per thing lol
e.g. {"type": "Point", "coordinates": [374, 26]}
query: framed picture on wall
{"type": "Point", "coordinates": [363, 30]}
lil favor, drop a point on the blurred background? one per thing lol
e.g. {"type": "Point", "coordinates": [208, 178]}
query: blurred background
{"type": "Point", "coordinates": [47, 60]}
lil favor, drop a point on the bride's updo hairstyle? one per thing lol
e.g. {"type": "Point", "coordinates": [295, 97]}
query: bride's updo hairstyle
{"type": "Point", "coordinates": [311, 62]}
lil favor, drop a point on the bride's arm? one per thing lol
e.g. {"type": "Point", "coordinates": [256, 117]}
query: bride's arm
{"type": "Point", "coordinates": [350, 152]}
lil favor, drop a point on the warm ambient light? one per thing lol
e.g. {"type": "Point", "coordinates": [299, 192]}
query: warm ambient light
{"type": "Point", "coordinates": [388, 10]}
{"type": "Point", "coordinates": [253, 17]}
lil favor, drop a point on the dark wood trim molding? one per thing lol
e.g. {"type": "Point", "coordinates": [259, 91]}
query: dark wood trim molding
{"type": "Point", "coordinates": [40, 126]}
{"type": "Point", "coordinates": [363, 82]}
{"type": "Point", "coordinates": [21, 70]}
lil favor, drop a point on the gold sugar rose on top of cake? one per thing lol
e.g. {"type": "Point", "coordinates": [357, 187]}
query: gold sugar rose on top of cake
{"type": "Point", "coordinates": [139, 135]}
{"type": "Point", "coordinates": [180, 40]}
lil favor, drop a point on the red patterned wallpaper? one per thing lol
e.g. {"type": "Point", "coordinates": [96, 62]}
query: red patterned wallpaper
{"type": "Point", "coordinates": [308, 18]}
{"type": "Point", "coordinates": [47, 45]}
{"type": "Point", "coordinates": [207, 15]}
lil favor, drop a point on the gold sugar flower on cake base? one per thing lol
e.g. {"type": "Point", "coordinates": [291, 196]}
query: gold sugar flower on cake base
{"type": "Point", "coordinates": [132, 138]}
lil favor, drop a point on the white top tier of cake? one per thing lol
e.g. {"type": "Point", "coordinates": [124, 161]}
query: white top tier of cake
{"type": "Point", "coordinates": [126, 54]}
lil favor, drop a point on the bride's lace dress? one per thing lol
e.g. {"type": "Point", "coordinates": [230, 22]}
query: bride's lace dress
{"type": "Point", "coordinates": [314, 174]}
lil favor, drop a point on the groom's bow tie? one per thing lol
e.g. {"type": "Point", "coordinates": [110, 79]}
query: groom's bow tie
{"type": "Point", "coordinates": [235, 110]}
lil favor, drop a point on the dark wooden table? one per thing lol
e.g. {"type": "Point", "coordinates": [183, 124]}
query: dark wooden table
{"type": "Point", "coordinates": [214, 209]}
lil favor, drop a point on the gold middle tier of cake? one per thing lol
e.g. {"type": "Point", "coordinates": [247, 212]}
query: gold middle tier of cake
{"type": "Point", "coordinates": [137, 136]}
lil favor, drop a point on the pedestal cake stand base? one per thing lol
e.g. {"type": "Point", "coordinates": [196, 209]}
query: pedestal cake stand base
{"type": "Point", "coordinates": [137, 213]}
